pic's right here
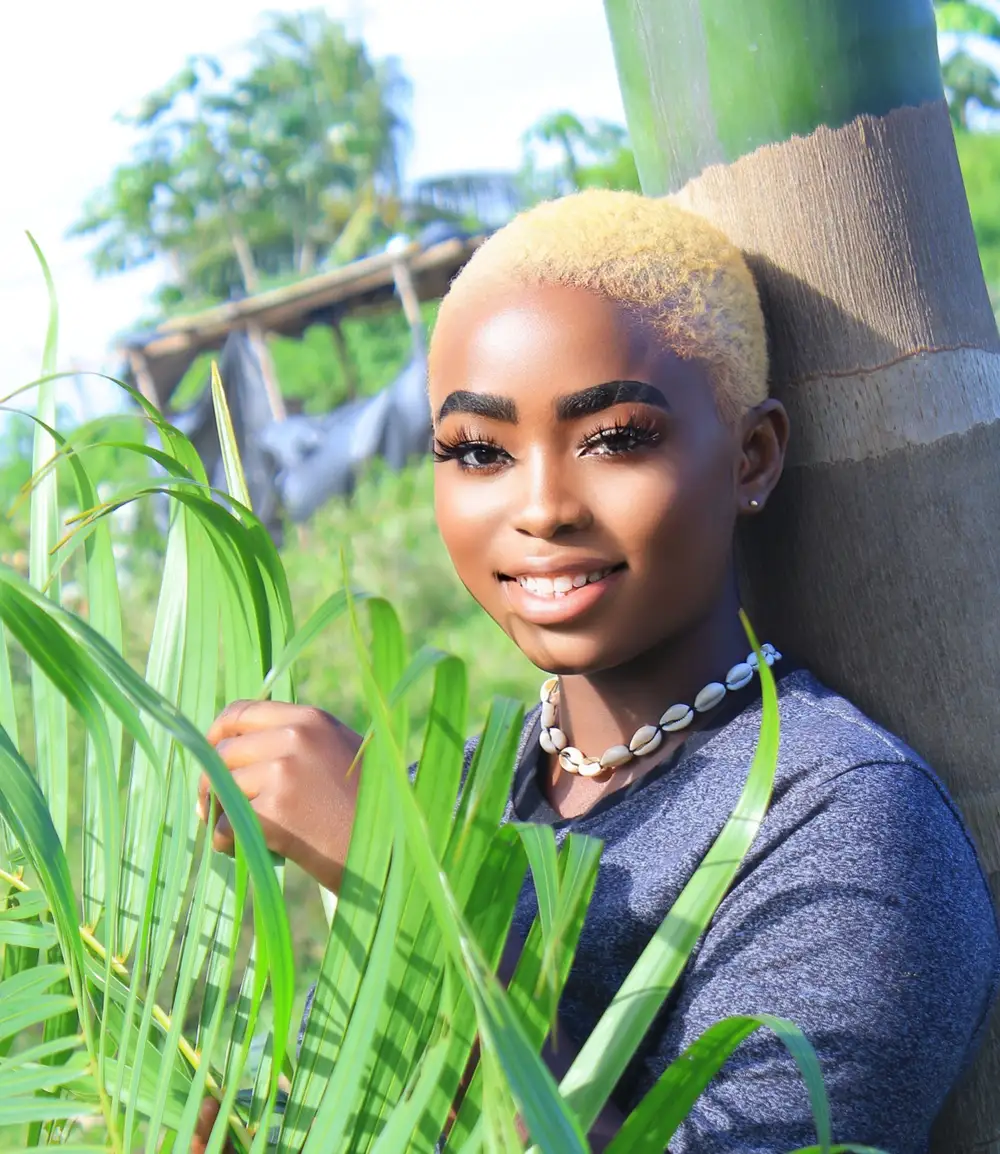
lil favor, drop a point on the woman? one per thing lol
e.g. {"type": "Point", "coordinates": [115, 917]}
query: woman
{"type": "Point", "coordinates": [598, 380]}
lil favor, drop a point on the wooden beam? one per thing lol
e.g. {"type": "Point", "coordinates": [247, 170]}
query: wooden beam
{"type": "Point", "coordinates": [144, 378]}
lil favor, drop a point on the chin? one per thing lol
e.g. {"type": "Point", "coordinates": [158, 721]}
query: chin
{"type": "Point", "coordinates": [566, 656]}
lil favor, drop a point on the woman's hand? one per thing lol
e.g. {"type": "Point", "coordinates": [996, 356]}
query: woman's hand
{"type": "Point", "coordinates": [293, 762]}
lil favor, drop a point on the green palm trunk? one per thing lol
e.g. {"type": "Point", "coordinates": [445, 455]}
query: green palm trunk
{"type": "Point", "coordinates": [816, 134]}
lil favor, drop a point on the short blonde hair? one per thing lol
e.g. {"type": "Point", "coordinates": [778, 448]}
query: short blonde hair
{"type": "Point", "coordinates": [646, 254]}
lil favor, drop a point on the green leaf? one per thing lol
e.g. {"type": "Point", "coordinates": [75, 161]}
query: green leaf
{"type": "Point", "coordinates": [236, 480]}
{"type": "Point", "coordinates": [551, 1124]}
{"type": "Point", "coordinates": [965, 17]}
{"type": "Point", "coordinates": [606, 1053]}
{"type": "Point", "coordinates": [19, 1111]}
{"type": "Point", "coordinates": [347, 1081]}
{"type": "Point", "coordinates": [653, 1123]}
{"type": "Point", "coordinates": [49, 709]}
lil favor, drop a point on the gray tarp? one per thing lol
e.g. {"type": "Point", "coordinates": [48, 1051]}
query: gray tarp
{"type": "Point", "coordinates": [293, 466]}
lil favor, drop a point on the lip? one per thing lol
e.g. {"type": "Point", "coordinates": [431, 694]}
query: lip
{"type": "Point", "coordinates": [559, 610]}
{"type": "Point", "coordinates": [548, 567]}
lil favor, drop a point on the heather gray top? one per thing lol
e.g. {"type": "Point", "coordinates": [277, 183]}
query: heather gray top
{"type": "Point", "coordinates": [861, 913]}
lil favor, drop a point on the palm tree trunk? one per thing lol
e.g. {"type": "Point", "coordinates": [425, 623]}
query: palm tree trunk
{"type": "Point", "coordinates": [815, 133]}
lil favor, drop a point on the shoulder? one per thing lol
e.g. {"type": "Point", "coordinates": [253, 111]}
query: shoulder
{"type": "Point", "coordinates": [829, 748]}
{"type": "Point", "coordinates": [856, 812]}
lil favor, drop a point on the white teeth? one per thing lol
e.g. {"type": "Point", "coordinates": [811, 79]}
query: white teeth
{"type": "Point", "coordinates": [561, 585]}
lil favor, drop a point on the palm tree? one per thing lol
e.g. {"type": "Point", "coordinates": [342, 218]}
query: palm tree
{"type": "Point", "coordinates": [817, 135]}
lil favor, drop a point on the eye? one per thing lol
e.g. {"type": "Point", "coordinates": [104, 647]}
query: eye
{"type": "Point", "coordinates": [472, 455]}
{"type": "Point", "coordinates": [621, 437]}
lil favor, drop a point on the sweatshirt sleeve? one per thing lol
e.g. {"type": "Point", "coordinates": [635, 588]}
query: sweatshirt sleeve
{"type": "Point", "coordinates": [883, 952]}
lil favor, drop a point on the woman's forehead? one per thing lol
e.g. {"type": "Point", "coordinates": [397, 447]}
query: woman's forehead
{"type": "Point", "coordinates": [536, 344]}
{"type": "Point", "coordinates": [531, 332]}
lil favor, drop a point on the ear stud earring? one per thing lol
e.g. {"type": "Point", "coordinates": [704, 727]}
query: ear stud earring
{"type": "Point", "coordinates": [754, 503]}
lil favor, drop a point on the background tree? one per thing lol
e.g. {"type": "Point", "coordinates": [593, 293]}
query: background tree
{"type": "Point", "coordinates": [968, 79]}
{"type": "Point", "coordinates": [263, 174]}
{"type": "Point", "coordinates": [587, 154]}
{"type": "Point", "coordinates": [817, 136]}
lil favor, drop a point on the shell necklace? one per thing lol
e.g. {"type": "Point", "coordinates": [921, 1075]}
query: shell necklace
{"type": "Point", "coordinates": [647, 738]}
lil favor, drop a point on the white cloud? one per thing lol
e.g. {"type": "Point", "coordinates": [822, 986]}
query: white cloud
{"type": "Point", "coordinates": [481, 75]}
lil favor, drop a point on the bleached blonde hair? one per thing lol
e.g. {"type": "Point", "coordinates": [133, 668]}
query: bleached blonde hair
{"type": "Point", "coordinates": [673, 267]}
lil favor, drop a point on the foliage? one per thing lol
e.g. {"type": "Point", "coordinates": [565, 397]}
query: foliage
{"type": "Point", "coordinates": [115, 970]}
{"type": "Point", "coordinates": [979, 156]}
{"type": "Point", "coordinates": [589, 154]}
{"type": "Point", "coordinates": [234, 176]}
{"type": "Point", "coordinates": [968, 79]}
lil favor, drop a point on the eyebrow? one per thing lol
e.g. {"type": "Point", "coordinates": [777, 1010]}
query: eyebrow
{"type": "Point", "coordinates": [584, 403]}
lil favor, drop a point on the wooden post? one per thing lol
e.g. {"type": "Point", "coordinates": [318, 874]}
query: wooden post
{"type": "Point", "coordinates": [346, 361]}
{"type": "Point", "coordinates": [405, 286]}
{"type": "Point", "coordinates": [263, 354]}
{"type": "Point", "coordinates": [144, 378]}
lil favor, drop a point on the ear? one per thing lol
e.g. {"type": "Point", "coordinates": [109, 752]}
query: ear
{"type": "Point", "coordinates": [764, 434]}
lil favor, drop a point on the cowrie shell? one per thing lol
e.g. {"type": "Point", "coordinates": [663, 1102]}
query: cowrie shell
{"type": "Point", "coordinates": [571, 759]}
{"type": "Point", "coordinates": [650, 745]}
{"type": "Point", "coordinates": [615, 756]}
{"type": "Point", "coordinates": [677, 717]}
{"type": "Point", "coordinates": [710, 696]}
{"type": "Point", "coordinates": [642, 736]}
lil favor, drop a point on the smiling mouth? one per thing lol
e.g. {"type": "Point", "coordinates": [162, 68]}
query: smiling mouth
{"type": "Point", "coordinates": [561, 585]}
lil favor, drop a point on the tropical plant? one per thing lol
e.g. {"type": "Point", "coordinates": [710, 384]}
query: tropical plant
{"type": "Point", "coordinates": [817, 136]}
{"type": "Point", "coordinates": [116, 970]}
{"type": "Point", "coordinates": [588, 154]}
{"type": "Point", "coordinates": [260, 174]}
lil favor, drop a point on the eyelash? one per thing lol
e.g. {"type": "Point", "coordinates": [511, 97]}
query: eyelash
{"type": "Point", "coordinates": [641, 431]}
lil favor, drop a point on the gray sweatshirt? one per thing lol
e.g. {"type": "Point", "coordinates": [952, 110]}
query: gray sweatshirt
{"type": "Point", "coordinates": [861, 913]}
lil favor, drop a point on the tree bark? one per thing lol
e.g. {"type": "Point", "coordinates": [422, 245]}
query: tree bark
{"type": "Point", "coordinates": [816, 135]}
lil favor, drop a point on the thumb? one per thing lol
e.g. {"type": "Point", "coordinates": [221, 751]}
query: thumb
{"type": "Point", "coordinates": [207, 1116]}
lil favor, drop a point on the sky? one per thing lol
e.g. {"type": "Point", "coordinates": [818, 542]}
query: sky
{"type": "Point", "coordinates": [67, 68]}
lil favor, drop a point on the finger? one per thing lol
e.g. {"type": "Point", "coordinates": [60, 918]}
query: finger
{"type": "Point", "coordinates": [253, 781]}
{"type": "Point", "coordinates": [203, 1127]}
{"type": "Point", "coordinates": [250, 748]}
{"type": "Point", "coordinates": [250, 716]}
{"type": "Point", "coordinates": [250, 779]}
{"type": "Point", "coordinates": [238, 753]}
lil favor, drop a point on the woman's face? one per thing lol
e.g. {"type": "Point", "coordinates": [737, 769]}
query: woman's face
{"type": "Point", "coordinates": [586, 489]}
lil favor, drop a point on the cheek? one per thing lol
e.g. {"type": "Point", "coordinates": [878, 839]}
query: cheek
{"type": "Point", "coordinates": [464, 525]}
{"type": "Point", "coordinates": [681, 514]}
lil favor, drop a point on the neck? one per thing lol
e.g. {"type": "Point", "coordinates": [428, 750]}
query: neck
{"type": "Point", "coordinates": [603, 709]}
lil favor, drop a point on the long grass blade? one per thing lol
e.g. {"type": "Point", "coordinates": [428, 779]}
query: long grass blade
{"type": "Point", "coordinates": [606, 1053]}
{"type": "Point", "coordinates": [654, 1122]}
{"type": "Point", "coordinates": [236, 481]}
{"type": "Point", "coordinates": [48, 708]}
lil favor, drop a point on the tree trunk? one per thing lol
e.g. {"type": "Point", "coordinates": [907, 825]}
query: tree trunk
{"type": "Point", "coordinates": [244, 258]}
{"type": "Point", "coordinates": [815, 133]}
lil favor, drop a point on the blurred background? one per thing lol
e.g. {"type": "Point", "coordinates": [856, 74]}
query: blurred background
{"type": "Point", "coordinates": [287, 191]}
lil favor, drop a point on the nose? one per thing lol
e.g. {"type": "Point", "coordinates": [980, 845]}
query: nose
{"type": "Point", "coordinates": [551, 504]}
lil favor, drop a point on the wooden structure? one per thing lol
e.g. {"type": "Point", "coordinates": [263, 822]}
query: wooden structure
{"type": "Point", "coordinates": [158, 359]}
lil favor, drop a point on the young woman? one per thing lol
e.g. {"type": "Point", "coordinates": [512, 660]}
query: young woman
{"type": "Point", "coordinates": [598, 379]}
